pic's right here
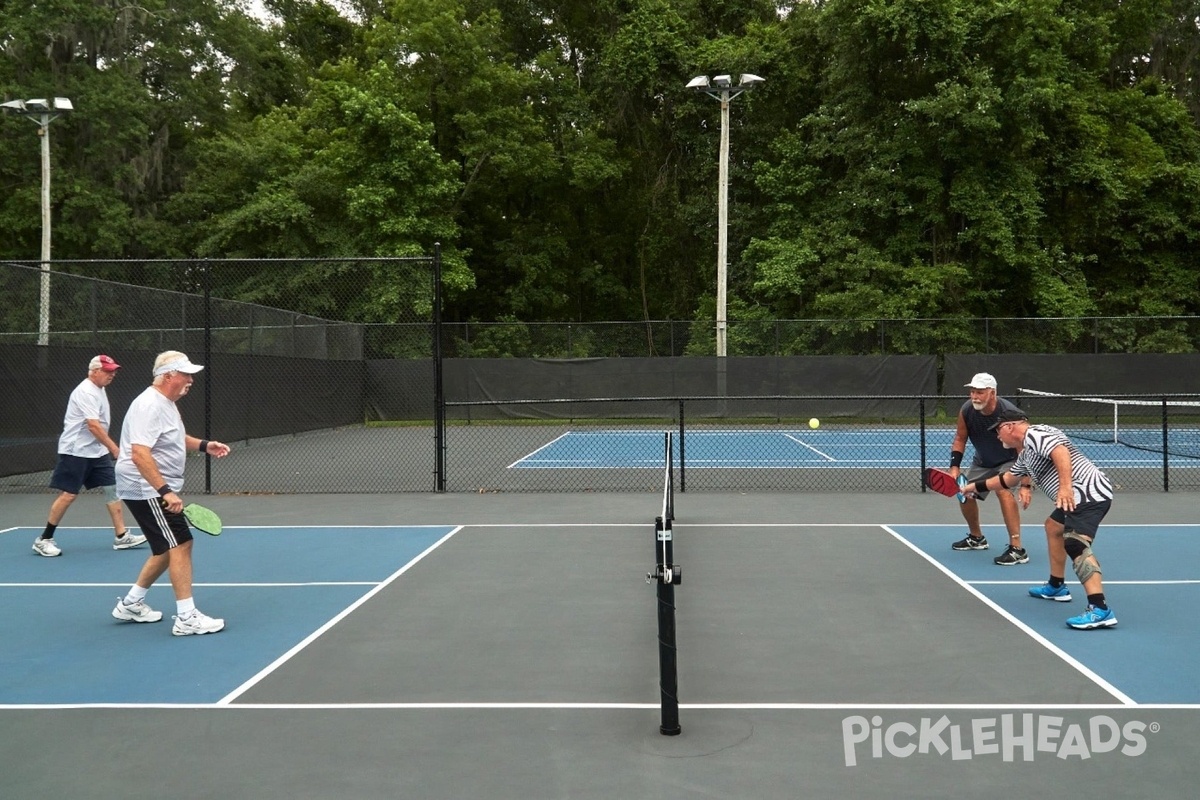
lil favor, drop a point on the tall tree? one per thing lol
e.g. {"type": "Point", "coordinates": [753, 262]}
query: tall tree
{"type": "Point", "coordinates": [145, 80]}
{"type": "Point", "coordinates": [959, 149]}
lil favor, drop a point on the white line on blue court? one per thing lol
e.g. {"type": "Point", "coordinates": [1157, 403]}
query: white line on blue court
{"type": "Point", "coordinates": [501, 706]}
{"type": "Point", "coordinates": [809, 446]}
{"type": "Point", "coordinates": [540, 449]}
{"type": "Point", "coordinates": [1042, 640]}
{"type": "Point", "coordinates": [1106, 583]}
{"type": "Point", "coordinates": [125, 585]}
{"type": "Point", "coordinates": [270, 528]}
{"type": "Point", "coordinates": [312, 637]}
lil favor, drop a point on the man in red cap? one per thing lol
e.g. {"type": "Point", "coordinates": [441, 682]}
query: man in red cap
{"type": "Point", "coordinates": [85, 458]}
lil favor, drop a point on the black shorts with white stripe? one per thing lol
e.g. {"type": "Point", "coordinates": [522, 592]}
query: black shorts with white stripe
{"type": "Point", "coordinates": [163, 530]}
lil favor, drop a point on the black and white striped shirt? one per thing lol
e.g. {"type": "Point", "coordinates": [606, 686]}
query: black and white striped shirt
{"type": "Point", "coordinates": [1089, 483]}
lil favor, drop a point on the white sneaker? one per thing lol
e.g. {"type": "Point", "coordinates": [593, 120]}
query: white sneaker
{"type": "Point", "coordinates": [46, 547]}
{"type": "Point", "coordinates": [130, 539]}
{"type": "Point", "coordinates": [138, 612]}
{"type": "Point", "coordinates": [197, 623]}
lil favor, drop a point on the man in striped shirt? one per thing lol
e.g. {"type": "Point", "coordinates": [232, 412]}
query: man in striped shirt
{"type": "Point", "coordinates": [1082, 496]}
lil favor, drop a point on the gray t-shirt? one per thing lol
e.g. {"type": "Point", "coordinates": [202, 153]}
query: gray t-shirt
{"type": "Point", "coordinates": [988, 450]}
{"type": "Point", "coordinates": [152, 420]}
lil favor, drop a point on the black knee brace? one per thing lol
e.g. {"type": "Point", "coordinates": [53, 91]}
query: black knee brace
{"type": "Point", "coordinates": [1079, 549]}
{"type": "Point", "coordinates": [1074, 546]}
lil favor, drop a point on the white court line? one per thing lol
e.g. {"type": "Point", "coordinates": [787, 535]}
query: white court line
{"type": "Point", "coordinates": [638, 463]}
{"type": "Point", "coordinates": [1078, 665]}
{"type": "Point", "coordinates": [277, 663]}
{"type": "Point", "coordinates": [540, 449]}
{"type": "Point", "coordinates": [268, 528]}
{"type": "Point", "coordinates": [502, 706]}
{"type": "Point", "coordinates": [268, 585]}
{"type": "Point", "coordinates": [1076, 583]}
{"type": "Point", "coordinates": [823, 455]}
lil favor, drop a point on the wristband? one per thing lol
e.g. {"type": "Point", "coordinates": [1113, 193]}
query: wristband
{"type": "Point", "coordinates": [956, 458]}
{"type": "Point", "coordinates": [981, 486]}
{"type": "Point", "coordinates": [1000, 478]}
{"type": "Point", "coordinates": [203, 448]}
{"type": "Point", "coordinates": [164, 490]}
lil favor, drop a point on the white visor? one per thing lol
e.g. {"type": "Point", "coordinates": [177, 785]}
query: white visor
{"type": "Point", "coordinates": [178, 365]}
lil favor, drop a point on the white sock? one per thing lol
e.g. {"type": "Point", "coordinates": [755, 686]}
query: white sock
{"type": "Point", "coordinates": [136, 595]}
{"type": "Point", "coordinates": [185, 608]}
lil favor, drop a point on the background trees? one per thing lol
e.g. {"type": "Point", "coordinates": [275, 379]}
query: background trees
{"type": "Point", "coordinates": [905, 158]}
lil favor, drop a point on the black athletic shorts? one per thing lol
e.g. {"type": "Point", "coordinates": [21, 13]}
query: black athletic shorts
{"type": "Point", "coordinates": [1084, 519]}
{"type": "Point", "coordinates": [163, 529]}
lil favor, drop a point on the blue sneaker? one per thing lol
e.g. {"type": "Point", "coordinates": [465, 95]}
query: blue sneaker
{"type": "Point", "coordinates": [1093, 617]}
{"type": "Point", "coordinates": [1059, 594]}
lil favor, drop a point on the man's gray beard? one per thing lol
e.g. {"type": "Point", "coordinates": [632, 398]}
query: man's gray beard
{"type": "Point", "coordinates": [978, 406]}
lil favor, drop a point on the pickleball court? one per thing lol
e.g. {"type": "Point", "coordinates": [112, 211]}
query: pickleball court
{"type": "Point", "coordinates": [505, 646]}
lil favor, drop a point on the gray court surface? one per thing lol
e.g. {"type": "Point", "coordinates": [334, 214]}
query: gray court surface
{"type": "Point", "coordinates": [819, 657]}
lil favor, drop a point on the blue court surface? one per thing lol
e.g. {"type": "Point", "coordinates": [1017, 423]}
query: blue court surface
{"type": "Point", "coordinates": [278, 586]}
{"type": "Point", "coordinates": [1150, 656]}
{"type": "Point", "coordinates": [824, 448]}
{"type": "Point", "coordinates": [282, 587]}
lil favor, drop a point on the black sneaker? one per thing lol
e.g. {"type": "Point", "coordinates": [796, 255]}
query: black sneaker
{"type": "Point", "coordinates": [1011, 556]}
{"type": "Point", "coordinates": [971, 543]}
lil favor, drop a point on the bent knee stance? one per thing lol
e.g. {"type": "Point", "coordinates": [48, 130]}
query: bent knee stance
{"type": "Point", "coordinates": [1079, 548]}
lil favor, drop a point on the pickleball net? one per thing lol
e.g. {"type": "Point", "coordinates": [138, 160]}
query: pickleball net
{"type": "Point", "coordinates": [1168, 424]}
{"type": "Point", "coordinates": [667, 575]}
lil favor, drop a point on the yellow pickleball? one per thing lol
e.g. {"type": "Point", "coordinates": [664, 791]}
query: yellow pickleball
{"type": "Point", "coordinates": [814, 423]}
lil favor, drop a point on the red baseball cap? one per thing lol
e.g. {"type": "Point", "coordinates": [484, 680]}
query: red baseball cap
{"type": "Point", "coordinates": [105, 363]}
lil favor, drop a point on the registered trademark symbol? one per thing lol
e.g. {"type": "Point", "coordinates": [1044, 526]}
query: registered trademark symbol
{"type": "Point", "coordinates": [1155, 727]}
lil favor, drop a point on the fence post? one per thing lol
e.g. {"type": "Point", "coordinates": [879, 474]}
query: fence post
{"type": "Point", "coordinates": [921, 474]}
{"type": "Point", "coordinates": [682, 460]}
{"type": "Point", "coordinates": [1166, 455]}
{"type": "Point", "coordinates": [207, 271]}
{"type": "Point", "coordinates": [439, 392]}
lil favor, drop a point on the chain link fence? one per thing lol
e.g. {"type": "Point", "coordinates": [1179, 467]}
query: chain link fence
{"type": "Point", "coordinates": [345, 394]}
{"type": "Point", "coordinates": [809, 337]}
{"type": "Point", "coordinates": [278, 383]}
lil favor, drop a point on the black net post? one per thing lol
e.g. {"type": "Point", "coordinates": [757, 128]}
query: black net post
{"type": "Point", "coordinates": [668, 681]}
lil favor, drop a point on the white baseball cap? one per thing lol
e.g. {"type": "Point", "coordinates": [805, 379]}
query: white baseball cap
{"type": "Point", "coordinates": [982, 380]}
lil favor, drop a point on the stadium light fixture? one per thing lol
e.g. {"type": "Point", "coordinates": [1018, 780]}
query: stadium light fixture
{"type": "Point", "coordinates": [723, 89]}
{"type": "Point", "coordinates": [42, 111]}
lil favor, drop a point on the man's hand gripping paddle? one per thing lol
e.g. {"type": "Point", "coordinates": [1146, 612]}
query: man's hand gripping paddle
{"type": "Point", "coordinates": [943, 483]}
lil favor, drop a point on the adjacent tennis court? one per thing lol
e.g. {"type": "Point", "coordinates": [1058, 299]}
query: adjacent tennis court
{"type": "Point", "coordinates": [827, 448]}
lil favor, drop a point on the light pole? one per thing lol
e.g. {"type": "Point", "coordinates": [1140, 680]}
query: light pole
{"type": "Point", "coordinates": [43, 111]}
{"type": "Point", "coordinates": [721, 88]}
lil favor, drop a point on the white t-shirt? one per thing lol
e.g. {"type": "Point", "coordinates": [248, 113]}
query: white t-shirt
{"type": "Point", "coordinates": [152, 420]}
{"type": "Point", "coordinates": [88, 401]}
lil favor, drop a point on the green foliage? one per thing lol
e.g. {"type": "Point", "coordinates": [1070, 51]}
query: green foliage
{"type": "Point", "coordinates": [905, 159]}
